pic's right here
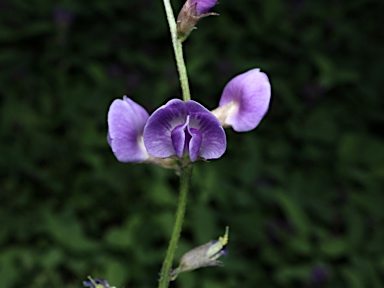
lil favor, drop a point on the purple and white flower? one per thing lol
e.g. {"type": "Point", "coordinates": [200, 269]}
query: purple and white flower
{"type": "Point", "coordinates": [187, 130]}
{"type": "Point", "coordinates": [184, 128]}
{"type": "Point", "coordinates": [176, 130]}
{"type": "Point", "coordinates": [245, 101]}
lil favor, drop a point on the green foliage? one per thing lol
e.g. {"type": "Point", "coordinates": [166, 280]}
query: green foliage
{"type": "Point", "coordinates": [302, 193]}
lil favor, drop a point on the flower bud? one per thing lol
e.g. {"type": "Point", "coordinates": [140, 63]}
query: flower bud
{"type": "Point", "coordinates": [203, 256]}
{"type": "Point", "coordinates": [191, 13]}
{"type": "Point", "coordinates": [96, 283]}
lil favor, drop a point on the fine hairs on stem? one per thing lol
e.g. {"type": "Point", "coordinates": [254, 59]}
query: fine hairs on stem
{"type": "Point", "coordinates": [178, 49]}
{"type": "Point", "coordinates": [186, 172]}
{"type": "Point", "coordinates": [185, 179]}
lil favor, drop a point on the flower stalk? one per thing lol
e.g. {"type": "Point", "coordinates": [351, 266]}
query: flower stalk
{"type": "Point", "coordinates": [186, 172]}
{"type": "Point", "coordinates": [182, 132]}
{"type": "Point", "coordinates": [165, 274]}
{"type": "Point", "coordinates": [178, 49]}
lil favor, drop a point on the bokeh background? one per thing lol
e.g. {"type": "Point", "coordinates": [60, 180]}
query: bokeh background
{"type": "Point", "coordinates": [303, 193]}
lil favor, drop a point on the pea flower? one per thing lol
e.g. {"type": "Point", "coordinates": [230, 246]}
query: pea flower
{"type": "Point", "coordinates": [184, 129]}
{"type": "Point", "coordinates": [191, 13]}
{"type": "Point", "coordinates": [244, 101]}
{"type": "Point", "coordinates": [203, 256]}
{"type": "Point", "coordinates": [175, 130]}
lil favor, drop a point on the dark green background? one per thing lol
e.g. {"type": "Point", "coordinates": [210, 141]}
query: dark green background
{"type": "Point", "coordinates": [303, 193]}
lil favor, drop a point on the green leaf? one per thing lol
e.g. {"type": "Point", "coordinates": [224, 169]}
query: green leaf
{"type": "Point", "coordinates": [334, 247]}
{"type": "Point", "coordinates": [294, 213]}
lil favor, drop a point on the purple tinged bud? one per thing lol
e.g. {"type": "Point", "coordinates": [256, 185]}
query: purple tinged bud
{"type": "Point", "coordinates": [245, 101]}
{"type": "Point", "coordinates": [126, 121]}
{"type": "Point", "coordinates": [203, 256]}
{"type": "Point", "coordinates": [191, 13]}
{"type": "Point", "coordinates": [203, 6]}
{"type": "Point", "coordinates": [181, 128]}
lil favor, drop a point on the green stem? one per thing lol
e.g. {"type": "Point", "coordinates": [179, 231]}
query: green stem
{"type": "Point", "coordinates": [185, 179]}
{"type": "Point", "coordinates": [186, 172]}
{"type": "Point", "coordinates": [178, 49]}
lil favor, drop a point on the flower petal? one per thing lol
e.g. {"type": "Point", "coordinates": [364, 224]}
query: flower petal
{"type": "Point", "coordinates": [178, 138]}
{"type": "Point", "coordinates": [203, 6]}
{"type": "Point", "coordinates": [126, 121]}
{"type": "Point", "coordinates": [159, 127]}
{"type": "Point", "coordinates": [250, 92]}
{"type": "Point", "coordinates": [213, 139]}
{"type": "Point", "coordinates": [194, 143]}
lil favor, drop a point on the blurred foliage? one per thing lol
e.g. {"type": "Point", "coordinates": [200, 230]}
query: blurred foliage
{"type": "Point", "coordinates": [302, 194]}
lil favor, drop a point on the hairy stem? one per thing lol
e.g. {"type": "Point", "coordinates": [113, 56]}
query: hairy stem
{"type": "Point", "coordinates": [186, 172]}
{"type": "Point", "coordinates": [178, 49]}
{"type": "Point", "coordinates": [185, 179]}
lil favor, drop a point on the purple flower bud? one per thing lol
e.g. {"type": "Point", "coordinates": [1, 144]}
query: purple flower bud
{"type": "Point", "coordinates": [244, 101]}
{"type": "Point", "coordinates": [203, 6]}
{"type": "Point", "coordinates": [191, 13]}
{"type": "Point", "coordinates": [126, 121]}
{"type": "Point", "coordinates": [184, 128]}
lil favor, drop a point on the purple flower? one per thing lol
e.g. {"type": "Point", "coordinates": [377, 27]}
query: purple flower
{"type": "Point", "coordinates": [184, 128]}
{"type": "Point", "coordinates": [176, 129]}
{"type": "Point", "coordinates": [244, 101]}
{"type": "Point", "coordinates": [203, 6]}
{"type": "Point", "coordinates": [126, 121]}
